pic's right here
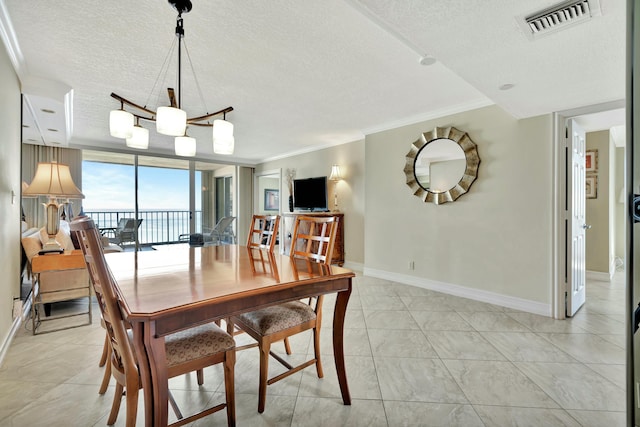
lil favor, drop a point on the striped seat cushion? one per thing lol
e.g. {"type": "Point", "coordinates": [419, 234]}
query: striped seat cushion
{"type": "Point", "coordinates": [277, 318]}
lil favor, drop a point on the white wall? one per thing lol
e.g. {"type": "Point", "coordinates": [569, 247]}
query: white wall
{"type": "Point", "coordinates": [494, 242]}
{"type": "Point", "coordinates": [9, 181]}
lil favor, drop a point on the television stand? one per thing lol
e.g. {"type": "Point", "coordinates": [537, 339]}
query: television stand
{"type": "Point", "coordinates": [286, 228]}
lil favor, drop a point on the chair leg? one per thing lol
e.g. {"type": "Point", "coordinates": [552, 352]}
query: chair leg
{"type": "Point", "coordinates": [287, 347]}
{"type": "Point", "coordinates": [132, 406]}
{"type": "Point", "coordinates": [115, 406]}
{"type": "Point", "coordinates": [200, 375]}
{"type": "Point", "coordinates": [105, 379]}
{"type": "Point", "coordinates": [316, 351]}
{"type": "Point", "coordinates": [229, 386]}
{"type": "Point", "coordinates": [265, 347]}
{"type": "Point", "coordinates": [105, 351]}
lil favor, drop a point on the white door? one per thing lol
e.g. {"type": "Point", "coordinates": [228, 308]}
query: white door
{"type": "Point", "coordinates": [576, 224]}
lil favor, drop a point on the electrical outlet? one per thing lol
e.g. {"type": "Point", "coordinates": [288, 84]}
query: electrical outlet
{"type": "Point", "coordinates": [412, 265]}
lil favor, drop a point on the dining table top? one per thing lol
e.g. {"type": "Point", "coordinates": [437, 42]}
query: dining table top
{"type": "Point", "coordinates": [156, 283]}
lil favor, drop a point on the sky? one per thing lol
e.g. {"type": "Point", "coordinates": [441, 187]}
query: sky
{"type": "Point", "coordinates": [109, 187]}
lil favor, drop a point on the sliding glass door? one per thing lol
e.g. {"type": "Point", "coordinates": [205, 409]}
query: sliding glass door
{"type": "Point", "coordinates": [168, 198]}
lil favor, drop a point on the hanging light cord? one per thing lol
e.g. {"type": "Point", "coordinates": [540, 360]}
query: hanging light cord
{"type": "Point", "coordinates": [193, 72]}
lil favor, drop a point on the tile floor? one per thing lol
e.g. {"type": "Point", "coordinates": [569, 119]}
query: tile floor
{"type": "Point", "coordinates": [414, 358]}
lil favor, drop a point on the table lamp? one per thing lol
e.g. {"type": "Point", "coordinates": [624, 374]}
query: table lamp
{"type": "Point", "coordinates": [54, 181]}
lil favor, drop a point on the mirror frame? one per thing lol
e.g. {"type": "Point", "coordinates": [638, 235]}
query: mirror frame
{"type": "Point", "coordinates": [470, 173]}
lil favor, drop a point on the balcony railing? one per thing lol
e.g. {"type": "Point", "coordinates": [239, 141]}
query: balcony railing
{"type": "Point", "coordinates": [157, 227]}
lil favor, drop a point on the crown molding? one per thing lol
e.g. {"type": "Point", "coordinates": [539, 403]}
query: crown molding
{"type": "Point", "coordinates": [10, 40]}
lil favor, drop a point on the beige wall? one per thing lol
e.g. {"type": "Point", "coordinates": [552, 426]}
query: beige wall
{"type": "Point", "coordinates": [9, 181]}
{"type": "Point", "coordinates": [351, 190]}
{"type": "Point", "coordinates": [598, 237]}
{"type": "Point", "coordinates": [496, 240]}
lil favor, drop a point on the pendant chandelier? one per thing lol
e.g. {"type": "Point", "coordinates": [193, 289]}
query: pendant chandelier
{"type": "Point", "coordinates": [171, 120]}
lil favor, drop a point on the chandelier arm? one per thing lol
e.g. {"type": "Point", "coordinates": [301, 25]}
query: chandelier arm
{"type": "Point", "coordinates": [132, 104]}
{"type": "Point", "coordinates": [193, 120]}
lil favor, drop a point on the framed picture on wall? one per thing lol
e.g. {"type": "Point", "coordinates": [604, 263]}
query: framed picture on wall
{"type": "Point", "coordinates": [592, 161]}
{"type": "Point", "coordinates": [592, 187]}
{"type": "Point", "coordinates": [271, 200]}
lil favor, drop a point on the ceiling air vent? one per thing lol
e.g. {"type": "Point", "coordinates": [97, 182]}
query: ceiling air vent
{"type": "Point", "coordinates": [558, 17]}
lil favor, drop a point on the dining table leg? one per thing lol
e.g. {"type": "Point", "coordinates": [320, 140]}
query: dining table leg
{"type": "Point", "coordinates": [151, 355]}
{"type": "Point", "coordinates": [338, 342]}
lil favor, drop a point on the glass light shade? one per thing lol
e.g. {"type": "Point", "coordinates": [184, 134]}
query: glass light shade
{"type": "Point", "coordinates": [120, 124]}
{"type": "Point", "coordinates": [139, 139]}
{"type": "Point", "coordinates": [335, 173]}
{"type": "Point", "coordinates": [222, 129]}
{"type": "Point", "coordinates": [171, 121]}
{"type": "Point", "coordinates": [185, 146]}
{"type": "Point", "coordinates": [53, 180]}
{"type": "Point", "coordinates": [223, 146]}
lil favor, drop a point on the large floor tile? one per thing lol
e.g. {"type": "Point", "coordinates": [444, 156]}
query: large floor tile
{"type": "Point", "coordinates": [361, 377]}
{"type": "Point", "coordinates": [497, 383]}
{"type": "Point", "coordinates": [417, 380]}
{"type": "Point", "coordinates": [500, 416]}
{"type": "Point", "coordinates": [400, 343]}
{"type": "Point", "coordinates": [599, 418]}
{"type": "Point", "coordinates": [574, 387]}
{"type": "Point", "coordinates": [389, 319]}
{"type": "Point", "coordinates": [314, 411]}
{"type": "Point", "coordinates": [431, 414]}
{"type": "Point", "coordinates": [588, 348]}
{"type": "Point", "coordinates": [440, 321]}
{"type": "Point", "coordinates": [462, 345]}
{"type": "Point", "coordinates": [492, 321]}
{"type": "Point", "coordinates": [526, 347]}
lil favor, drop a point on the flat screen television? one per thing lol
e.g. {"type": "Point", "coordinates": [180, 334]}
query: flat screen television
{"type": "Point", "coordinates": [310, 194]}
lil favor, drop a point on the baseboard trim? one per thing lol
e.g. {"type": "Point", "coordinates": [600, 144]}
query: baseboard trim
{"type": "Point", "coordinates": [356, 266]}
{"type": "Point", "coordinates": [598, 276]}
{"type": "Point", "coordinates": [15, 326]}
{"type": "Point", "coordinates": [462, 291]}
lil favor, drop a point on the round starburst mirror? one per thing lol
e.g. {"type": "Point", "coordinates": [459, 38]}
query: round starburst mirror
{"type": "Point", "coordinates": [441, 165]}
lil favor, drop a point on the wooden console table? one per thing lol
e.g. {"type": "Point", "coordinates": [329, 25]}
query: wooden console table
{"type": "Point", "coordinates": [286, 228]}
{"type": "Point", "coordinates": [59, 277]}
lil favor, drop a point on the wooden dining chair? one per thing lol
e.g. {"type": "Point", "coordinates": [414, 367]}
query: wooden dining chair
{"type": "Point", "coordinates": [263, 232]}
{"type": "Point", "coordinates": [189, 350]}
{"type": "Point", "coordinates": [313, 240]}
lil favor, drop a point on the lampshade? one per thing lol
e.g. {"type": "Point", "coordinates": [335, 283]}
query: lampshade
{"type": "Point", "coordinates": [223, 146]}
{"type": "Point", "coordinates": [139, 139]}
{"type": "Point", "coordinates": [120, 124]}
{"type": "Point", "coordinates": [53, 180]}
{"type": "Point", "coordinates": [171, 121]}
{"type": "Point", "coordinates": [185, 146]}
{"type": "Point", "coordinates": [335, 173]}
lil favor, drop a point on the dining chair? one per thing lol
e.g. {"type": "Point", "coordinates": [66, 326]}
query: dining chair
{"type": "Point", "coordinates": [186, 351]}
{"type": "Point", "coordinates": [313, 241]}
{"type": "Point", "coordinates": [263, 232]}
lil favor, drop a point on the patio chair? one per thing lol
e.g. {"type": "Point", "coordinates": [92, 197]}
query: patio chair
{"type": "Point", "coordinates": [220, 233]}
{"type": "Point", "coordinates": [126, 231]}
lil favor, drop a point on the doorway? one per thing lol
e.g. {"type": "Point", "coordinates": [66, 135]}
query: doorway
{"type": "Point", "coordinates": [592, 119]}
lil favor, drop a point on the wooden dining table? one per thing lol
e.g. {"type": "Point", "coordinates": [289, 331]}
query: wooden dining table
{"type": "Point", "coordinates": [177, 287]}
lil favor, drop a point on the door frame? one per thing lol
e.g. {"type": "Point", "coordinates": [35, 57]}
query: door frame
{"type": "Point", "coordinates": [558, 297]}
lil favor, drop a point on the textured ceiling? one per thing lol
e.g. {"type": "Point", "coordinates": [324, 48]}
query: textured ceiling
{"type": "Point", "coordinates": [307, 74]}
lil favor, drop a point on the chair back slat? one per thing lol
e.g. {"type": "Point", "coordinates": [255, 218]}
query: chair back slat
{"type": "Point", "coordinates": [314, 238]}
{"type": "Point", "coordinates": [263, 232]}
{"type": "Point", "coordinates": [104, 287]}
